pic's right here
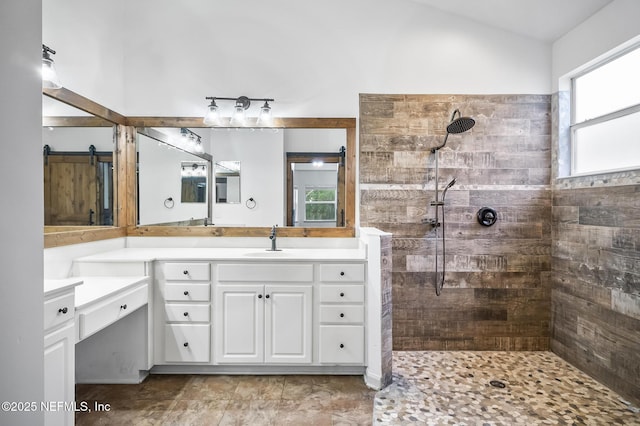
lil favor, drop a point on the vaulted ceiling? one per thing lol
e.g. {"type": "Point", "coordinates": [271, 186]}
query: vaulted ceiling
{"type": "Point", "coordinates": [545, 20]}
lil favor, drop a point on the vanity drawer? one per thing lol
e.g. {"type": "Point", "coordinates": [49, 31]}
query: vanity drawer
{"type": "Point", "coordinates": [97, 317]}
{"type": "Point", "coordinates": [180, 292]}
{"type": "Point", "coordinates": [187, 271]}
{"type": "Point", "coordinates": [341, 294]}
{"type": "Point", "coordinates": [186, 342]}
{"type": "Point", "coordinates": [348, 272]}
{"type": "Point", "coordinates": [342, 314]}
{"type": "Point", "coordinates": [177, 312]}
{"type": "Point", "coordinates": [272, 272]}
{"type": "Point", "coordinates": [58, 310]}
{"type": "Point", "coordinates": [341, 344]}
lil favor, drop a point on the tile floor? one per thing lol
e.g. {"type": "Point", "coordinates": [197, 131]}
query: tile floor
{"type": "Point", "coordinates": [447, 388]}
{"type": "Point", "coordinates": [230, 400]}
{"type": "Point", "coordinates": [429, 388]}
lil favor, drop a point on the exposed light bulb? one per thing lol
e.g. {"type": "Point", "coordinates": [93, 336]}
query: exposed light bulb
{"type": "Point", "coordinates": [212, 116]}
{"type": "Point", "coordinates": [265, 118]}
{"type": "Point", "coordinates": [238, 118]}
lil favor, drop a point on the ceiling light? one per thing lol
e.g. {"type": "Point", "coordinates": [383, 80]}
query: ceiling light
{"type": "Point", "coordinates": [50, 78]}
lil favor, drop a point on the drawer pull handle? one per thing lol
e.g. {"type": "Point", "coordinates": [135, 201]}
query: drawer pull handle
{"type": "Point", "coordinates": [342, 273]}
{"type": "Point", "coordinates": [186, 314]}
{"type": "Point", "coordinates": [341, 315]}
{"type": "Point", "coordinates": [123, 306]}
{"type": "Point", "coordinates": [341, 346]}
{"type": "Point", "coordinates": [185, 344]}
{"type": "Point", "coordinates": [63, 310]}
{"type": "Point", "coordinates": [259, 296]}
{"type": "Point", "coordinates": [341, 294]}
{"type": "Point", "coordinates": [267, 296]}
{"type": "Point", "coordinates": [185, 272]}
{"type": "Point", "coordinates": [186, 293]}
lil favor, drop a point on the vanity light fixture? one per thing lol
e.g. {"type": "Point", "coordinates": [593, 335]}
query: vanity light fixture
{"type": "Point", "coordinates": [191, 140]}
{"type": "Point", "coordinates": [50, 78]}
{"type": "Point", "coordinates": [238, 118]}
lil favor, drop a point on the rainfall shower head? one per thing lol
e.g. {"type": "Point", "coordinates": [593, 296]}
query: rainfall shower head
{"type": "Point", "coordinates": [461, 125]}
{"type": "Point", "coordinates": [455, 126]}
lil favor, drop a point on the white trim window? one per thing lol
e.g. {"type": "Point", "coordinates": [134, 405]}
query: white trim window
{"type": "Point", "coordinates": [320, 203]}
{"type": "Point", "coordinates": [605, 116]}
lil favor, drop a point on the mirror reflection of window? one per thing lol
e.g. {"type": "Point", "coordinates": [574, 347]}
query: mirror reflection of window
{"type": "Point", "coordinates": [320, 204]}
{"type": "Point", "coordinates": [194, 181]}
{"type": "Point", "coordinates": [227, 182]}
{"type": "Point", "coordinates": [315, 194]}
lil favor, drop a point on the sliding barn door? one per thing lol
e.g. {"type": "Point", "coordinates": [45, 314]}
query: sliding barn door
{"type": "Point", "coordinates": [71, 191]}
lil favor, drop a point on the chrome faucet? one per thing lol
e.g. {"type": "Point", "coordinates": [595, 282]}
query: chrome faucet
{"type": "Point", "coordinates": [272, 237]}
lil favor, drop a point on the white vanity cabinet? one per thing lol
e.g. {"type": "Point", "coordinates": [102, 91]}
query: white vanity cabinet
{"type": "Point", "coordinates": [341, 306]}
{"type": "Point", "coordinates": [183, 313]}
{"type": "Point", "coordinates": [263, 313]}
{"type": "Point", "coordinates": [59, 354]}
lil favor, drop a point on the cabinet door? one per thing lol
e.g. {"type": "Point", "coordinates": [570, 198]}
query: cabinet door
{"type": "Point", "coordinates": [288, 324]}
{"type": "Point", "coordinates": [59, 373]}
{"type": "Point", "coordinates": [239, 324]}
{"type": "Point", "coordinates": [187, 342]}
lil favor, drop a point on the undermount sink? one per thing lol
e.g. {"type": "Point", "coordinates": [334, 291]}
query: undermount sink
{"type": "Point", "coordinates": [267, 253]}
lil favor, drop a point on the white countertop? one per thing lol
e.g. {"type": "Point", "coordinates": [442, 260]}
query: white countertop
{"type": "Point", "coordinates": [59, 285]}
{"type": "Point", "coordinates": [236, 254]}
{"type": "Point", "coordinates": [95, 289]}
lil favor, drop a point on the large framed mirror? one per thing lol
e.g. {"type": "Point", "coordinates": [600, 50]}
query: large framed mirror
{"type": "Point", "coordinates": [263, 200]}
{"type": "Point", "coordinates": [78, 146]}
{"type": "Point", "coordinates": [255, 174]}
{"type": "Point", "coordinates": [173, 178]}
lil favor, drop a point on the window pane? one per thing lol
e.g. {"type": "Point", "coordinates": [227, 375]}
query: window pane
{"type": "Point", "coordinates": [609, 88]}
{"type": "Point", "coordinates": [611, 145]}
{"type": "Point", "coordinates": [320, 195]}
{"type": "Point", "coordinates": [320, 212]}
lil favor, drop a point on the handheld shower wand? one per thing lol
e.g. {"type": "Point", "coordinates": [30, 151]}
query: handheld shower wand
{"type": "Point", "coordinates": [455, 126]}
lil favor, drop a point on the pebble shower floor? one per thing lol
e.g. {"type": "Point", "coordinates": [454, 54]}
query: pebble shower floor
{"type": "Point", "coordinates": [453, 388]}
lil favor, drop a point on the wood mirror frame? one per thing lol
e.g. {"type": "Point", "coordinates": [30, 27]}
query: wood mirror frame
{"type": "Point", "coordinates": [124, 159]}
{"type": "Point", "coordinates": [125, 146]}
{"type": "Point", "coordinates": [349, 124]}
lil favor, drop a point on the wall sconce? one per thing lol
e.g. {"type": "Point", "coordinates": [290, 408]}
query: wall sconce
{"type": "Point", "coordinates": [238, 118]}
{"type": "Point", "coordinates": [50, 78]}
{"type": "Point", "coordinates": [191, 140]}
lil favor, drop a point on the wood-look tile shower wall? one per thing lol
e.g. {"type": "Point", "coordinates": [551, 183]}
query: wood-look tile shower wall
{"type": "Point", "coordinates": [595, 301]}
{"type": "Point", "coordinates": [496, 295]}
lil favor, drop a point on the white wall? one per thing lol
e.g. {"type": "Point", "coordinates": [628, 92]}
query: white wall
{"type": "Point", "coordinates": [261, 159]}
{"type": "Point", "coordinates": [314, 59]}
{"type": "Point", "coordinates": [88, 37]}
{"type": "Point", "coordinates": [612, 27]}
{"type": "Point", "coordinates": [21, 285]}
{"type": "Point", "coordinates": [314, 140]}
{"type": "Point", "coordinates": [78, 138]}
{"type": "Point", "coordinates": [159, 178]}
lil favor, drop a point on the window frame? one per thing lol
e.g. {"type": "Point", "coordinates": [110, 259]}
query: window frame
{"type": "Point", "coordinates": [334, 202]}
{"type": "Point", "coordinates": [574, 127]}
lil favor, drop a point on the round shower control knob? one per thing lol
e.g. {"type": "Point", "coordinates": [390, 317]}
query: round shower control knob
{"type": "Point", "coordinates": [487, 216]}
